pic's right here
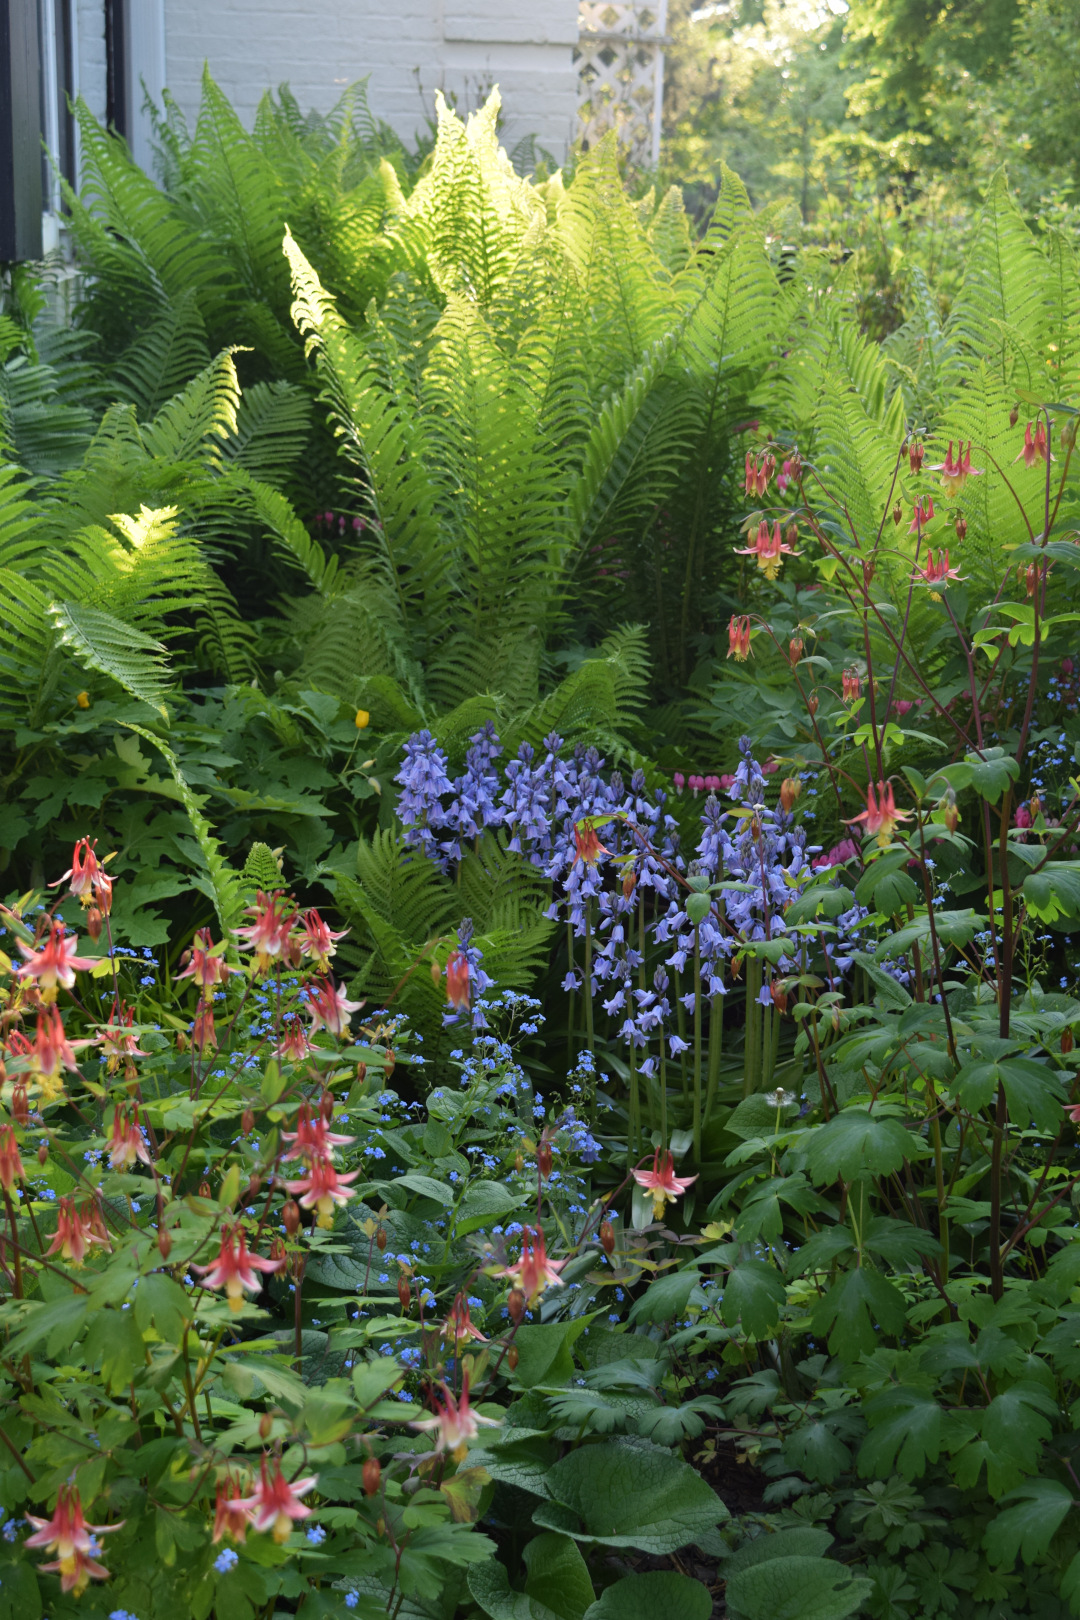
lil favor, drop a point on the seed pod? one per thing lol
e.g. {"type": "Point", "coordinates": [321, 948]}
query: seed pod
{"type": "Point", "coordinates": [380, 1240]}
{"type": "Point", "coordinates": [607, 1237]}
{"type": "Point", "coordinates": [277, 1249]}
{"type": "Point", "coordinates": [629, 883]}
{"type": "Point", "coordinates": [94, 922]}
{"type": "Point", "coordinates": [181, 1040]}
{"type": "Point", "coordinates": [1067, 1042]}
{"type": "Point", "coordinates": [897, 513]}
{"type": "Point", "coordinates": [543, 1159]}
{"type": "Point", "coordinates": [290, 1216]}
{"type": "Point", "coordinates": [43, 1153]}
{"type": "Point", "coordinates": [164, 1243]}
{"type": "Point", "coordinates": [204, 1189]}
{"type": "Point", "coordinates": [404, 1293]}
{"type": "Point", "coordinates": [515, 1304]}
{"type": "Point", "coordinates": [247, 1121]}
{"type": "Point", "coordinates": [326, 1106]}
{"type": "Point", "coordinates": [266, 1423]}
{"type": "Point", "coordinates": [1014, 416]}
{"type": "Point", "coordinates": [361, 1073]}
{"type": "Point", "coordinates": [371, 1474]}
{"type": "Point", "coordinates": [512, 1357]}
{"type": "Point", "coordinates": [391, 1060]}
{"type": "Point", "coordinates": [961, 526]}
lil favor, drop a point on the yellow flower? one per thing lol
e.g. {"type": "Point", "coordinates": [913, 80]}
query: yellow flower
{"type": "Point", "coordinates": [83, 700]}
{"type": "Point", "coordinates": [363, 719]}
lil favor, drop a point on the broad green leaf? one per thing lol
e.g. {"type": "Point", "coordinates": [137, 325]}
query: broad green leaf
{"type": "Point", "coordinates": [557, 1575]}
{"type": "Point", "coordinates": [20, 1598]}
{"type": "Point", "coordinates": [754, 1295]}
{"type": "Point", "coordinates": [907, 1431]}
{"type": "Point", "coordinates": [857, 1310]}
{"type": "Point", "coordinates": [659, 1595]}
{"type": "Point", "coordinates": [1027, 1528]}
{"type": "Point", "coordinates": [1014, 1427]}
{"type": "Point", "coordinates": [544, 1352]}
{"type": "Point", "coordinates": [991, 775]}
{"type": "Point", "coordinates": [628, 1493]}
{"type": "Point", "coordinates": [484, 1202]}
{"type": "Point", "coordinates": [440, 1192]}
{"type": "Point", "coordinates": [162, 1303]}
{"type": "Point", "coordinates": [1034, 1092]}
{"type": "Point", "coordinates": [1053, 892]}
{"type": "Point", "coordinates": [668, 1297]}
{"type": "Point", "coordinates": [857, 1144]}
{"type": "Point", "coordinates": [816, 1450]}
{"type": "Point", "coordinates": [797, 1588]}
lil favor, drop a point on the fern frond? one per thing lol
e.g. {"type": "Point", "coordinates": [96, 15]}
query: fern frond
{"type": "Point", "coordinates": [100, 642]}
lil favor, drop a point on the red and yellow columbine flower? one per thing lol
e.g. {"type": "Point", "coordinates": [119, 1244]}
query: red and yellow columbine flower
{"type": "Point", "coordinates": [1037, 447]}
{"type": "Point", "coordinates": [207, 966]}
{"type": "Point", "coordinates": [534, 1271]}
{"type": "Point", "coordinates": [235, 1269]}
{"type": "Point", "coordinates": [739, 639]}
{"type": "Point", "coordinates": [770, 548]}
{"type": "Point", "coordinates": [313, 1138]}
{"type": "Point", "coordinates": [881, 814]}
{"type": "Point", "coordinates": [126, 1142]}
{"type": "Point", "coordinates": [118, 1041]}
{"type": "Point", "coordinates": [70, 1537]}
{"type": "Point", "coordinates": [75, 1233]}
{"type": "Point", "coordinates": [454, 1422]}
{"type": "Point", "coordinates": [922, 514]}
{"type": "Point", "coordinates": [329, 1008]}
{"type": "Point", "coordinates": [52, 1052]}
{"type": "Point", "coordinates": [89, 882]}
{"type": "Point", "coordinates": [203, 1033]}
{"type": "Point", "coordinates": [954, 474]}
{"type": "Point", "coordinates": [661, 1182]}
{"type": "Point", "coordinates": [323, 1189]}
{"type": "Point", "coordinates": [852, 686]}
{"type": "Point", "coordinates": [11, 1165]}
{"type": "Point", "coordinates": [936, 573]}
{"type": "Point", "coordinates": [295, 1044]}
{"type": "Point", "coordinates": [232, 1512]}
{"type": "Point", "coordinates": [318, 941]}
{"type": "Point", "coordinates": [458, 1328]}
{"type": "Point", "coordinates": [457, 980]}
{"type": "Point", "coordinates": [276, 1503]}
{"type": "Point", "coordinates": [587, 845]}
{"type": "Point", "coordinates": [268, 935]}
{"type": "Point", "coordinates": [54, 964]}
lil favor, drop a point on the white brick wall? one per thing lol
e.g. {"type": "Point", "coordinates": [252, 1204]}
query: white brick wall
{"type": "Point", "coordinates": [89, 50]}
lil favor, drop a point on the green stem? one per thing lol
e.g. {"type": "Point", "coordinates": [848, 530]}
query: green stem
{"type": "Point", "coordinates": [716, 1047]}
{"type": "Point", "coordinates": [697, 1045]}
{"type": "Point", "coordinates": [588, 987]}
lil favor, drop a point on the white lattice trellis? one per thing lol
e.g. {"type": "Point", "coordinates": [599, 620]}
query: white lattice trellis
{"type": "Point", "coordinates": [620, 62]}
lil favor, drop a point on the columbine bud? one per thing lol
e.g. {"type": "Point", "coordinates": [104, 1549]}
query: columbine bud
{"type": "Point", "coordinates": [326, 1106]}
{"type": "Point", "coordinates": [1035, 807]}
{"type": "Point", "coordinates": [629, 882]}
{"type": "Point", "coordinates": [897, 513]}
{"type": "Point", "coordinates": [961, 526]}
{"type": "Point", "coordinates": [43, 1153]}
{"type": "Point", "coordinates": [1067, 1042]}
{"type": "Point", "coordinates": [1014, 416]}
{"type": "Point", "coordinates": [607, 1237]}
{"type": "Point", "coordinates": [950, 814]}
{"type": "Point", "coordinates": [812, 703]}
{"type": "Point", "coordinates": [266, 1423]}
{"type": "Point", "coordinates": [519, 1163]}
{"type": "Point", "coordinates": [277, 1249]}
{"type": "Point", "coordinates": [20, 1106]}
{"type": "Point", "coordinates": [512, 1357]}
{"type": "Point", "coordinates": [204, 1189]}
{"type": "Point", "coordinates": [404, 1293]}
{"type": "Point", "coordinates": [515, 1304]}
{"type": "Point", "coordinates": [543, 1159]}
{"type": "Point", "coordinates": [252, 1190]}
{"type": "Point", "coordinates": [290, 1216]}
{"type": "Point", "coordinates": [391, 1060]}
{"type": "Point", "coordinates": [94, 922]}
{"type": "Point", "coordinates": [371, 1474]}
{"type": "Point", "coordinates": [380, 1240]}
{"type": "Point", "coordinates": [181, 1040]}
{"type": "Point", "coordinates": [915, 456]}
{"type": "Point", "coordinates": [361, 1073]}
{"type": "Point", "coordinates": [779, 996]}
{"type": "Point", "coordinates": [791, 534]}
{"type": "Point", "coordinates": [796, 648]}
{"type": "Point", "coordinates": [790, 788]}
{"type": "Point", "coordinates": [436, 973]}
{"type": "Point", "coordinates": [164, 1243]}
{"type": "Point", "coordinates": [247, 1121]}
{"type": "Point", "coordinates": [380, 1527]}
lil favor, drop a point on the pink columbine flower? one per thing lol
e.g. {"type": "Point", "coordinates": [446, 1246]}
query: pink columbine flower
{"type": "Point", "coordinates": [126, 1142]}
{"type": "Point", "coordinates": [739, 638]}
{"type": "Point", "coordinates": [313, 1138]}
{"type": "Point", "coordinates": [454, 1421]}
{"type": "Point", "coordinates": [118, 1040]}
{"type": "Point", "coordinates": [318, 941]}
{"type": "Point", "coordinates": [52, 1050]}
{"type": "Point", "coordinates": [954, 474]}
{"type": "Point", "coordinates": [232, 1512]}
{"type": "Point", "coordinates": [534, 1271]}
{"type": "Point", "coordinates": [295, 1044]}
{"type": "Point", "coordinates": [268, 935]}
{"type": "Point", "coordinates": [69, 1536]}
{"type": "Point", "coordinates": [770, 549]}
{"type": "Point", "coordinates": [322, 1189]}
{"type": "Point", "coordinates": [208, 966]}
{"type": "Point", "coordinates": [881, 814]}
{"type": "Point", "coordinates": [89, 882]}
{"type": "Point", "coordinates": [235, 1269]}
{"type": "Point", "coordinates": [276, 1503]}
{"type": "Point", "coordinates": [936, 572]}
{"type": "Point", "coordinates": [11, 1165]}
{"type": "Point", "coordinates": [458, 1327]}
{"type": "Point", "coordinates": [1037, 448]}
{"type": "Point", "coordinates": [330, 1008]}
{"type": "Point", "coordinates": [922, 514]}
{"type": "Point", "coordinates": [54, 964]}
{"type": "Point", "coordinates": [75, 1233]}
{"type": "Point", "coordinates": [1074, 1114]}
{"type": "Point", "coordinates": [661, 1182]}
